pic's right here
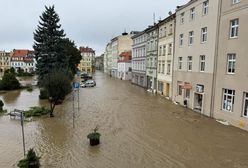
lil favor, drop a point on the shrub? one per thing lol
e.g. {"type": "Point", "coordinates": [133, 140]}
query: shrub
{"type": "Point", "coordinates": [30, 161]}
{"type": "Point", "coordinates": [9, 82]}
{"type": "Point", "coordinates": [36, 111]}
{"type": "Point", "coordinates": [43, 94]}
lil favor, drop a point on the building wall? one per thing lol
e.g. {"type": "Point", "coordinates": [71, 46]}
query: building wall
{"type": "Point", "coordinates": [123, 70]}
{"type": "Point", "coordinates": [165, 56]}
{"type": "Point", "coordinates": [195, 77]}
{"type": "Point", "coordinates": [139, 60]}
{"type": "Point", "coordinates": [86, 63]}
{"type": "Point", "coordinates": [151, 57]}
{"type": "Point", "coordinates": [108, 59]}
{"type": "Point", "coordinates": [5, 58]}
{"type": "Point", "coordinates": [237, 81]}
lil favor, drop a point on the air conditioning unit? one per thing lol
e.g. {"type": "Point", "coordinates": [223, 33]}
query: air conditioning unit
{"type": "Point", "coordinates": [199, 88]}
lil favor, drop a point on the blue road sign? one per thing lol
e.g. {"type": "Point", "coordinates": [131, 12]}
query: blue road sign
{"type": "Point", "coordinates": [76, 85]}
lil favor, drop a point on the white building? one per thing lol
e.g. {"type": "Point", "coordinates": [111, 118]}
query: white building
{"type": "Point", "coordinates": [125, 66]}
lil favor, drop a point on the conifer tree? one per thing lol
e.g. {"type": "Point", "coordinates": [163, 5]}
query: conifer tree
{"type": "Point", "coordinates": [48, 49]}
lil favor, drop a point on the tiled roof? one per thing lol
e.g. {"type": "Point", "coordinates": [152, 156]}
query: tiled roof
{"type": "Point", "coordinates": [86, 49]}
{"type": "Point", "coordinates": [22, 53]}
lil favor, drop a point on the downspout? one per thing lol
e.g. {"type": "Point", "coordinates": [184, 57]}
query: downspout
{"type": "Point", "coordinates": [215, 60]}
{"type": "Point", "coordinates": [173, 63]}
{"type": "Point", "coordinates": [157, 59]}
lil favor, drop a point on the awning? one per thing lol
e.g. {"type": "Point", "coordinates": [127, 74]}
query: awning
{"type": "Point", "coordinates": [187, 86]}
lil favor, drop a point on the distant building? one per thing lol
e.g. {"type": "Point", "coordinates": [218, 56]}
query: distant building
{"type": "Point", "coordinates": [87, 63]}
{"type": "Point", "coordinates": [5, 58]}
{"type": "Point", "coordinates": [120, 44]}
{"type": "Point", "coordinates": [108, 59]}
{"type": "Point", "coordinates": [99, 62]}
{"type": "Point", "coordinates": [125, 66]}
{"type": "Point", "coordinates": [23, 60]}
{"type": "Point", "coordinates": [139, 59]}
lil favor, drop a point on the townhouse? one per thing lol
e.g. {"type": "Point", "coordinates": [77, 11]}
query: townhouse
{"type": "Point", "coordinates": [151, 57]}
{"type": "Point", "coordinates": [23, 60]}
{"type": "Point", "coordinates": [195, 52]}
{"type": "Point", "coordinates": [231, 89]}
{"type": "Point", "coordinates": [5, 58]}
{"type": "Point", "coordinates": [125, 65]}
{"type": "Point", "coordinates": [165, 55]}
{"type": "Point", "coordinates": [108, 59]}
{"type": "Point", "coordinates": [139, 59]}
{"type": "Point", "coordinates": [87, 62]}
{"type": "Point", "coordinates": [120, 44]}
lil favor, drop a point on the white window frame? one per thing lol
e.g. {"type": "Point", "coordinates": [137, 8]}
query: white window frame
{"type": "Point", "coordinates": [192, 14]}
{"type": "Point", "coordinates": [231, 62]}
{"type": "Point", "coordinates": [245, 105]}
{"type": "Point", "coordinates": [170, 49]}
{"type": "Point", "coordinates": [202, 63]}
{"type": "Point", "coordinates": [191, 38]}
{"type": "Point", "coordinates": [182, 18]}
{"type": "Point", "coordinates": [205, 7]}
{"type": "Point", "coordinates": [235, 1]}
{"type": "Point", "coordinates": [163, 66]}
{"type": "Point", "coordinates": [228, 100]}
{"type": "Point", "coordinates": [181, 40]}
{"type": "Point", "coordinates": [179, 88]}
{"type": "Point", "coordinates": [234, 28]}
{"type": "Point", "coordinates": [189, 63]}
{"type": "Point", "coordinates": [180, 63]}
{"type": "Point", "coordinates": [168, 68]}
{"type": "Point", "coordinates": [204, 34]}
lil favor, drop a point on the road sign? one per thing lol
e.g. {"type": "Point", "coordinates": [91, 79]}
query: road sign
{"type": "Point", "coordinates": [76, 85]}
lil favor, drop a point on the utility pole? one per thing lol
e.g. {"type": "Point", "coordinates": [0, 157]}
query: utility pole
{"type": "Point", "coordinates": [23, 136]}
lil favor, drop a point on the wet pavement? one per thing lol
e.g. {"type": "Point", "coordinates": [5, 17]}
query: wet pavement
{"type": "Point", "coordinates": [139, 130]}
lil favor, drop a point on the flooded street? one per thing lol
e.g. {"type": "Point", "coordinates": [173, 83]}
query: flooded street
{"type": "Point", "coordinates": [139, 130]}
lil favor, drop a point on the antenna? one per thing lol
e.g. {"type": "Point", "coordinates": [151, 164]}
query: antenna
{"type": "Point", "coordinates": [154, 18]}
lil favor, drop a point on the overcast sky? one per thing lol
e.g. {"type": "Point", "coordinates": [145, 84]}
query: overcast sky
{"type": "Point", "coordinates": [88, 22]}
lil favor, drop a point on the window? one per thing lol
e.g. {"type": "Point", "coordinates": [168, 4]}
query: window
{"type": "Point", "coordinates": [234, 29]}
{"type": "Point", "coordinates": [170, 49]}
{"type": "Point", "coordinates": [187, 93]}
{"type": "Point", "coordinates": [191, 37]}
{"type": "Point", "coordinates": [164, 50]}
{"type": "Point", "coordinates": [228, 100]}
{"type": "Point", "coordinates": [231, 61]}
{"type": "Point", "coordinates": [165, 31]}
{"type": "Point", "coordinates": [205, 8]}
{"type": "Point", "coordinates": [179, 88]}
{"type": "Point", "coordinates": [162, 67]}
{"type": "Point", "coordinates": [182, 18]}
{"type": "Point", "coordinates": [159, 67]}
{"type": "Point", "coordinates": [189, 63]}
{"type": "Point", "coordinates": [204, 34]}
{"type": "Point", "coordinates": [160, 50]}
{"type": "Point", "coordinates": [202, 63]}
{"type": "Point", "coordinates": [245, 113]}
{"type": "Point", "coordinates": [180, 62]}
{"type": "Point", "coordinates": [168, 68]}
{"type": "Point", "coordinates": [235, 1]}
{"type": "Point", "coordinates": [181, 40]}
{"type": "Point", "coordinates": [192, 13]}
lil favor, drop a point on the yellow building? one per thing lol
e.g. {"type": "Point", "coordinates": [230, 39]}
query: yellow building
{"type": "Point", "coordinates": [5, 60]}
{"type": "Point", "coordinates": [87, 62]}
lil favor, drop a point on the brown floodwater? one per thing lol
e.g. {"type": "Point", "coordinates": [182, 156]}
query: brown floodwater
{"type": "Point", "coordinates": [139, 130]}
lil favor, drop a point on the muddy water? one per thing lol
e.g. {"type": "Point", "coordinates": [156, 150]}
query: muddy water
{"type": "Point", "coordinates": [138, 130]}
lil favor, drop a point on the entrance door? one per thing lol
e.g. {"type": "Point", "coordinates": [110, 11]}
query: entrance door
{"type": "Point", "coordinates": [167, 90]}
{"type": "Point", "coordinates": [198, 102]}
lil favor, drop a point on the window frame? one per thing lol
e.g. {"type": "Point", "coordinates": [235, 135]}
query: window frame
{"type": "Point", "coordinates": [192, 14]}
{"type": "Point", "coordinates": [245, 106]}
{"type": "Point", "coordinates": [228, 95]}
{"type": "Point", "coordinates": [231, 61]}
{"type": "Point", "coordinates": [189, 63]}
{"type": "Point", "coordinates": [180, 63]}
{"type": "Point", "coordinates": [180, 40]}
{"type": "Point", "coordinates": [235, 2]}
{"type": "Point", "coordinates": [191, 38]}
{"type": "Point", "coordinates": [202, 62]}
{"type": "Point", "coordinates": [235, 27]}
{"type": "Point", "coordinates": [205, 7]}
{"type": "Point", "coordinates": [204, 34]}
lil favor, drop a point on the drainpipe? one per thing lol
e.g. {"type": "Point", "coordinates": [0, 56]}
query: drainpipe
{"type": "Point", "coordinates": [173, 56]}
{"type": "Point", "coordinates": [215, 60]}
{"type": "Point", "coordinates": [157, 27]}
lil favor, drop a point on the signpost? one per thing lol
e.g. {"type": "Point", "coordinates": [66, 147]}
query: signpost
{"type": "Point", "coordinates": [76, 87]}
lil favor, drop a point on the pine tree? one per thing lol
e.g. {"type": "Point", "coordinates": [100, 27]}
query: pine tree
{"type": "Point", "coordinates": [48, 49]}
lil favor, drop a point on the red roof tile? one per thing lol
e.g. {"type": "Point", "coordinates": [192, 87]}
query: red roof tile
{"type": "Point", "coordinates": [86, 49]}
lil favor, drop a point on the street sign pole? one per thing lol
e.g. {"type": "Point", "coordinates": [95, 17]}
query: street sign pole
{"type": "Point", "coordinates": [23, 137]}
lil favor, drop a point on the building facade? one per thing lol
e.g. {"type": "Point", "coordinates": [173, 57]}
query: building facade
{"type": "Point", "coordinates": [139, 59]}
{"type": "Point", "coordinates": [125, 66]}
{"type": "Point", "coordinates": [165, 56]}
{"type": "Point", "coordinates": [87, 62]}
{"type": "Point", "coordinates": [231, 90]}
{"type": "Point", "coordinates": [108, 59]}
{"type": "Point", "coordinates": [151, 57]}
{"type": "Point", "coordinates": [5, 58]}
{"type": "Point", "coordinates": [99, 62]}
{"type": "Point", "coordinates": [23, 60]}
{"type": "Point", "coordinates": [195, 51]}
{"type": "Point", "coordinates": [120, 44]}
